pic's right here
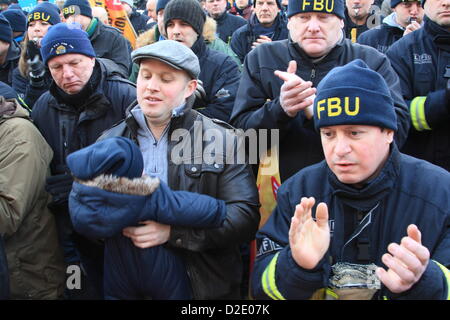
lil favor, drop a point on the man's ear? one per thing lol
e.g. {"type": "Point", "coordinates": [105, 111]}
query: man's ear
{"type": "Point", "coordinates": [390, 135]}
{"type": "Point", "coordinates": [190, 87]}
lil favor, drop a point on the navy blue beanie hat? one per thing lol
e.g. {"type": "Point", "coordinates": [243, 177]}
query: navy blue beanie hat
{"type": "Point", "coordinates": [5, 30]}
{"type": "Point", "coordinates": [354, 94]}
{"type": "Point", "coordinates": [117, 156]}
{"type": "Point", "coordinates": [394, 3]}
{"type": "Point", "coordinates": [77, 7]}
{"type": "Point", "coordinates": [17, 19]}
{"type": "Point", "coordinates": [44, 12]}
{"type": "Point", "coordinates": [161, 4]}
{"type": "Point", "coordinates": [65, 38]}
{"type": "Point", "coordinates": [335, 7]}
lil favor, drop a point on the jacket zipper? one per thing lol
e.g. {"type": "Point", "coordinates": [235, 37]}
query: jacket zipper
{"type": "Point", "coordinates": [313, 74]}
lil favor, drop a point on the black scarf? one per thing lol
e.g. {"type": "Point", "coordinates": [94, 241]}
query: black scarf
{"type": "Point", "coordinates": [441, 36]}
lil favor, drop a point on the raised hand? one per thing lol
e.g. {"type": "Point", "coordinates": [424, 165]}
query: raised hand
{"type": "Point", "coordinates": [295, 94]}
{"type": "Point", "coordinates": [406, 261]}
{"type": "Point", "coordinates": [309, 240]}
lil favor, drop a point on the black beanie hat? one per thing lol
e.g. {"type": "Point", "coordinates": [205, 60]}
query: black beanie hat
{"type": "Point", "coordinates": [77, 7]}
{"type": "Point", "coordinates": [45, 13]}
{"type": "Point", "coordinates": [189, 11]}
{"type": "Point", "coordinates": [17, 19]}
{"type": "Point", "coordinates": [5, 30]}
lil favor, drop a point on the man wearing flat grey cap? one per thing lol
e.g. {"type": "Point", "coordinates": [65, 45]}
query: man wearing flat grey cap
{"type": "Point", "coordinates": [171, 136]}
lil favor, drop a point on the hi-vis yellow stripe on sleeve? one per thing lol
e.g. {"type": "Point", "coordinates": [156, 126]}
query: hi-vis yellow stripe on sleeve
{"type": "Point", "coordinates": [447, 277]}
{"type": "Point", "coordinates": [268, 280]}
{"type": "Point", "coordinates": [417, 111]}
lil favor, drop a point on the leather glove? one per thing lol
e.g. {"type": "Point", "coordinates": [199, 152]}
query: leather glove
{"type": "Point", "coordinates": [36, 66]}
{"type": "Point", "coordinates": [59, 186]}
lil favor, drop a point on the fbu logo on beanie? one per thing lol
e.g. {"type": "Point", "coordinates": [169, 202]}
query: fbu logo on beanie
{"type": "Point", "coordinates": [335, 7]}
{"type": "Point", "coordinates": [70, 10]}
{"type": "Point", "coordinates": [319, 5]}
{"type": "Point", "coordinates": [333, 106]}
{"type": "Point", "coordinates": [61, 49]}
{"type": "Point", "coordinates": [39, 16]}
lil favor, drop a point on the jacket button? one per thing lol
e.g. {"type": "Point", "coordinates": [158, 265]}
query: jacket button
{"type": "Point", "coordinates": [178, 242]}
{"type": "Point", "coordinates": [194, 169]}
{"type": "Point", "coordinates": [216, 166]}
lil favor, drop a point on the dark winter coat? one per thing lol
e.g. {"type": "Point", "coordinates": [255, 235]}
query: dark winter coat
{"type": "Point", "coordinates": [421, 60]}
{"type": "Point", "coordinates": [243, 38]}
{"type": "Point", "coordinates": [406, 191]}
{"type": "Point", "coordinates": [220, 77]}
{"type": "Point", "coordinates": [110, 44]}
{"type": "Point", "coordinates": [212, 256]}
{"type": "Point", "coordinates": [383, 36]}
{"type": "Point", "coordinates": [228, 23]}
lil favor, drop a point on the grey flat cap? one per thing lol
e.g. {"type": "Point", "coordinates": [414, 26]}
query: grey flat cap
{"type": "Point", "coordinates": [171, 52]}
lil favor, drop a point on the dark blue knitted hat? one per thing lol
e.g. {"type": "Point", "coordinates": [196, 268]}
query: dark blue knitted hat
{"type": "Point", "coordinates": [326, 6]}
{"type": "Point", "coordinates": [77, 7]}
{"type": "Point", "coordinates": [65, 38]}
{"type": "Point", "coordinates": [394, 3]}
{"type": "Point", "coordinates": [117, 156]}
{"type": "Point", "coordinates": [5, 30]}
{"type": "Point", "coordinates": [17, 19]}
{"type": "Point", "coordinates": [45, 13]}
{"type": "Point", "coordinates": [354, 94]}
{"type": "Point", "coordinates": [161, 4]}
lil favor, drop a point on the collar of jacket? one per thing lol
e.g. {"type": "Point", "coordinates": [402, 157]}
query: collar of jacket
{"type": "Point", "coordinates": [441, 37]}
{"type": "Point", "coordinates": [199, 46]}
{"type": "Point", "coordinates": [221, 19]}
{"type": "Point", "coordinates": [92, 27]}
{"type": "Point", "coordinates": [367, 197]}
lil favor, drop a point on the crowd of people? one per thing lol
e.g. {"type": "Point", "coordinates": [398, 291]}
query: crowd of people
{"type": "Point", "coordinates": [126, 158]}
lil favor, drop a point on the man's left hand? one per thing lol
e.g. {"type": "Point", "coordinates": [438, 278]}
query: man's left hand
{"type": "Point", "coordinates": [151, 234]}
{"type": "Point", "coordinates": [260, 40]}
{"type": "Point", "coordinates": [406, 261]}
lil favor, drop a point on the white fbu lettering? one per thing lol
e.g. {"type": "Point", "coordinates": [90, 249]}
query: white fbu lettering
{"type": "Point", "coordinates": [422, 58]}
{"type": "Point", "coordinates": [267, 246]}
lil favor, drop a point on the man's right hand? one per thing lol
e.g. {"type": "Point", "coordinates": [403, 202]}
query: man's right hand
{"type": "Point", "coordinates": [296, 94]}
{"type": "Point", "coordinates": [413, 26]}
{"type": "Point", "coordinates": [309, 239]}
